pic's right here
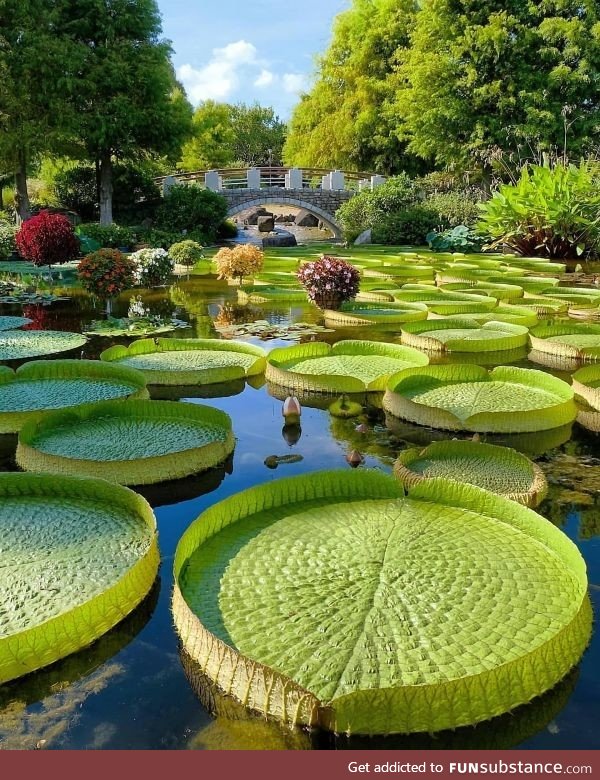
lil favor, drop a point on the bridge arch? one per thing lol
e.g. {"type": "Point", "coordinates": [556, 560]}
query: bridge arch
{"type": "Point", "coordinates": [325, 217]}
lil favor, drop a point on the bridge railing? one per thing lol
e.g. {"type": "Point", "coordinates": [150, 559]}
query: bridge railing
{"type": "Point", "coordinates": [273, 177]}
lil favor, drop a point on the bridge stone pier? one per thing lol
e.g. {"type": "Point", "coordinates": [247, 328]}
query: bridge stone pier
{"type": "Point", "coordinates": [316, 190]}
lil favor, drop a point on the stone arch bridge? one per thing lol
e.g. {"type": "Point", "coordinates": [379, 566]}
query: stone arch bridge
{"type": "Point", "coordinates": [316, 190]}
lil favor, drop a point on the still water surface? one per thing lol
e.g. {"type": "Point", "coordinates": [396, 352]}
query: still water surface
{"type": "Point", "coordinates": [129, 690]}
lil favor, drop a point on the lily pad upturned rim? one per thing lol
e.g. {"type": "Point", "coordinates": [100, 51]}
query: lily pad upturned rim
{"type": "Point", "coordinates": [586, 383]}
{"type": "Point", "coordinates": [47, 370]}
{"type": "Point", "coordinates": [422, 707]}
{"type": "Point", "coordinates": [488, 455]}
{"type": "Point", "coordinates": [509, 336]}
{"type": "Point", "coordinates": [13, 323]}
{"type": "Point", "coordinates": [279, 372]}
{"type": "Point", "coordinates": [543, 339]}
{"type": "Point", "coordinates": [52, 342]}
{"type": "Point", "coordinates": [74, 629]}
{"type": "Point", "coordinates": [372, 313]}
{"type": "Point", "coordinates": [189, 376]}
{"type": "Point", "coordinates": [136, 471]}
{"type": "Point", "coordinates": [404, 386]}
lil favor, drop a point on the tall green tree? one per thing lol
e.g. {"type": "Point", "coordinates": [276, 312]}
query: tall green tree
{"type": "Point", "coordinates": [345, 120]}
{"type": "Point", "coordinates": [35, 68]}
{"type": "Point", "coordinates": [486, 75]}
{"type": "Point", "coordinates": [127, 102]}
{"type": "Point", "coordinates": [225, 134]}
{"type": "Point", "coordinates": [211, 141]}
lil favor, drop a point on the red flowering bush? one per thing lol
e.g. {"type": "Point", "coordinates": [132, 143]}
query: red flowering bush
{"type": "Point", "coordinates": [106, 273]}
{"type": "Point", "coordinates": [47, 239]}
{"type": "Point", "coordinates": [329, 281]}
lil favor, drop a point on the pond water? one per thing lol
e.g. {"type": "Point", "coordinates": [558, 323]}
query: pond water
{"type": "Point", "coordinates": [133, 688]}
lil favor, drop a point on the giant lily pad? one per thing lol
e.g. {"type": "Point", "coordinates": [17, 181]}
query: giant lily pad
{"type": "Point", "coordinates": [137, 443]}
{"type": "Point", "coordinates": [573, 340]}
{"type": "Point", "coordinates": [12, 323]}
{"type": "Point", "coordinates": [347, 367]}
{"type": "Point", "coordinates": [356, 314]}
{"type": "Point", "coordinates": [20, 344]}
{"type": "Point", "coordinates": [189, 361]}
{"type": "Point", "coordinates": [500, 469]}
{"type": "Point", "coordinates": [77, 556]}
{"type": "Point", "coordinates": [333, 599]}
{"type": "Point", "coordinates": [469, 398]}
{"type": "Point", "coordinates": [42, 385]}
{"type": "Point", "coordinates": [456, 335]}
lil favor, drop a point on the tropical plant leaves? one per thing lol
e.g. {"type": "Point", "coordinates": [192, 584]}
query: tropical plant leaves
{"type": "Point", "coordinates": [455, 335]}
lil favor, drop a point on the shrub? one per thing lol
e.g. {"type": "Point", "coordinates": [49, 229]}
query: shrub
{"type": "Point", "coordinates": [47, 239]}
{"type": "Point", "coordinates": [190, 208]}
{"type": "Point", "coordinates": [7, 240]}
{"type": "Point", "coordinates": [552, 211]}
{"type": "Point", "coordinates": [371, 208]}
{"type": "Point", "coordinates": [406, 227]}
{"type": "Point", "coordinates": [153, 266]}
{"type": "Point", "coordinates": [455, 208]}
{"type": "Point", "coordinates": [458, 239]}
{"type": "Point", "coordinates": [242, 260]}
{"type": "Point", "coordinates": [106, 273]}
{"type": "Point", "coordinates": [329, 281]}
{"type": "Point", "coordinates": [186, 253]}
{"type": "Point", "coordinates": [227, 229]}
{"type": "Point", "coordinates": [108, 236]}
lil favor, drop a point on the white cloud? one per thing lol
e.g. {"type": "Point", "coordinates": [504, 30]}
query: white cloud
{"type": "Point", "coordinates": [294, 83]}
{"type": "Point", "coordinates": [220, 76]}
{"type": "Point", "coordinates": [236, 71]}
{"type": "Point", "coordinates": [265, 79]}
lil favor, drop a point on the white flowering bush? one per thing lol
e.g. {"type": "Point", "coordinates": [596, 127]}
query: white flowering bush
{"type": "Point", "coordinates": [153, 266]}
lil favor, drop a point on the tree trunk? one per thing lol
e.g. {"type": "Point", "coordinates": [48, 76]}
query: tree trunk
{"type": "Point", "coordinates": [21, 195]}
{"type": "Point", "coordinates": [106, 188]}
{"type": "Point", "coordinates": [97, 171]}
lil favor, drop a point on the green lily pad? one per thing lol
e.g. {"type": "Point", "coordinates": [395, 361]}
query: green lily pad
{"type": "Point", "coordinates": [133, 443]}
{"type": "Point", "coordinates": [42, 385]}
{"type": "Point", "coordinates": [77, 556]}
{"type": "Point", "coordinates": [469, 398]}
{"type": "Point", "coordinates": [457, 335]}
{"type": "Point", "coordinates": [572, 340]}
{"type": "Point", "coordinates": [20, 344]}
{"type": "Point", "coordinates": [347, 367]}
{"type": "Point", "coordinates": [12, 323]}
{"type": "Point", "coordinates": [334, 600]}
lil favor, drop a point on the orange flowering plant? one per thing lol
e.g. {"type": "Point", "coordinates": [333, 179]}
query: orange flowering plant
{"type": "Point", "coordinates": [106, 273]}
{"type": "Point", "coordinates": [243, 260]}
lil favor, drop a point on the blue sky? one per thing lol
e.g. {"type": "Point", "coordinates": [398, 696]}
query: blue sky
{"type": "Point", "coordinates": [248, 50]}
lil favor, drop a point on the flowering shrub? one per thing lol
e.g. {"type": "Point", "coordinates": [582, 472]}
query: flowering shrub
{"type": "Point", "coordinates": [153, 266]}
{"type": "Point", "coordinates": [186, 252]}
{"type": "Point", "coordinates": [243, 260]}
{"type": "Point", "coordinates": [329, 281]}
{"type": "Point", "coordinates": [106, 273]}
{"type": "Point", "coordinates": [47, 239]}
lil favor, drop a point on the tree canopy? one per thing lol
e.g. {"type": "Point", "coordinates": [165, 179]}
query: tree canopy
{"type": "Point", "coordinates": [224, 135]}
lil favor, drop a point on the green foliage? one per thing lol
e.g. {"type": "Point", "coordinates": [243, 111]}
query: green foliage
{"type": "Point", "coordinates": [459, 239]}
{"type": "Point", "coordinates": [7, 240]}
{"type": "Point", "coordinates": [454, 208]}
{"type": "Point", "coordinates": [372, 207]}
{"type": "Point", "coordinates": [108, 236]}
{"type": "Point", "coordinates": [186, 253]}
{"type": "Point", "coordinates": [225, 135]}
{"type": "Point", "coordinates": [190, 208]}
{"type": "Point", "coordinates": [551, 212]}
{"type": "Point", "coordinates": [227, 229]}
{"type": "Point", "coordinates": [410, 226]}
{"type": "Point", "coordinates": [483, 76]}
{"type": "Point", "coordinates": [135, 194]}
{"type": "Point", "coordinates": [344, 121]}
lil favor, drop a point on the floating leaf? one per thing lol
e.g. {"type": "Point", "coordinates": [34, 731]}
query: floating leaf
{"type": "Point", "coordinates": [20, 344]}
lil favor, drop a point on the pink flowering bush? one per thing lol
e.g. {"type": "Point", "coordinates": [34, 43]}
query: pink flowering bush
{"type": "Point", "coordinates": [329, 281]}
